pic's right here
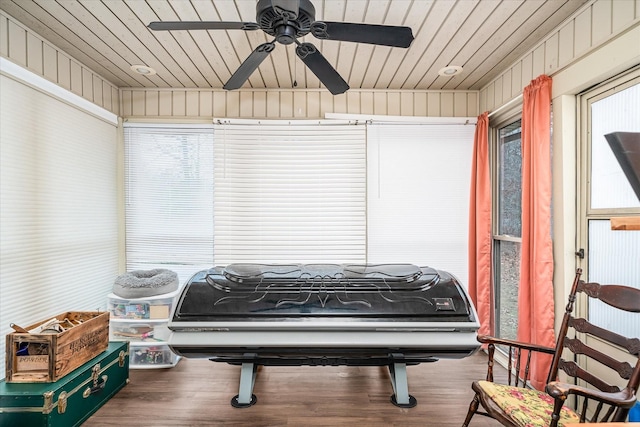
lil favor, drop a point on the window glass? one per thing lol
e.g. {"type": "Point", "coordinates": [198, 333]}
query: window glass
{"type": "Point", "coordinates": [169, 205]}
{"type": "Point", "coordinates": [510, 180]}
{"type": "Point", "coordinates": [616, 113]}
{"type": "Point", "coordinates": [508, 224]}
{"type": "Point", "coordinates": [508, 273]}
{"type": "Point", "coordinates": [614, 258]}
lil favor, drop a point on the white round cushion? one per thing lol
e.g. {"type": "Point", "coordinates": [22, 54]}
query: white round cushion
{"type": "Point", "coordinates": [145, 283]}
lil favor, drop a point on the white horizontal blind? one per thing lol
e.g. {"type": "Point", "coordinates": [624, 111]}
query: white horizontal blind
{"type": "Point", "coordinates": [614, 258]}
{"type": "Point", "coordinates": [169, 198]}
{"type": "Point", "coordinates": [290, 192]}
{"type": "Point", "coordinates": [418, 194]}
{"type": "Point", "coordinates": [58, 207]}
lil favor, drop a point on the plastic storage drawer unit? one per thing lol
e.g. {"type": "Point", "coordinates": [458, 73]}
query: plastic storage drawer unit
{"type": "Point", "coordinates": [152, 356]}
{"type": "Point", "coordinates": [152, 308]}
{"type": "Point", "coordinates": [143, 323]}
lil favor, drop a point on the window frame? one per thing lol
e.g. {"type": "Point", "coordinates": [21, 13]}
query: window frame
{"type": "Point", "coordinates": [606, 89]}
{"type": "Point", "coordinates": [585, 212]}
{"type": "Point", "coordinates": [500, 121]}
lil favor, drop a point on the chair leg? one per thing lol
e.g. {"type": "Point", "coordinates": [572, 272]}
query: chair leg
{"type": "Point", "coordinates": [473, 407]}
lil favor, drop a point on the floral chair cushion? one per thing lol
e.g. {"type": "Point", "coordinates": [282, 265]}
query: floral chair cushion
{"type": "Point", "coordinates": [527, 407]}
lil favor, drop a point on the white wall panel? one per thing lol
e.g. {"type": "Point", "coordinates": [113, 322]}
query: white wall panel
{"type": "Point", "coordinates": [16, 37]}
{"type": "Point", "coordinates": [179, 107]}
{"type": "Point", "coordinates": [50, 63]}
{"type": "Point", "coordinates": [97, 91]}
{"type": "Point", "coordinates": [206, 103]}
{"type": "Point", "coordinates": [76, 78]}
{"type": "Point", "coordinates": [602, 10]}
{"type": "Point", "coordinates": [565, 43]}
{"type": "Point", "coordinates": [551, 52]}
{"type": "Point", "coordinates": [34, 53]}
{"type": "Point", "coordinates": [192, 103]}
{"type": "Point", "coordinates": [582, 34]}
{"type": "Point", "coordinates": [313, 104]}
{"type": "Point", "coordinates": [164, 103]}
{"type": "Point", "coordinates": [64, 70]}
{"type": "Point", "coordinates": [298, 104]}
{"type": "Point", "coordinates": [621, 12]}
{"type": "Point", "coordinates": [4, 41]}
{"type": "Point", "coordinates": [419, 104]}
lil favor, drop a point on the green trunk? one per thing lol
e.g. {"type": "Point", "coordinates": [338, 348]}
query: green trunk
{"type": "Point", "coordinates": [70, 400]}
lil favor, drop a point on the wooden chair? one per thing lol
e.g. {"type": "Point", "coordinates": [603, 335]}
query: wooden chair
{"type": "Point", "coordinates": [518, 405]}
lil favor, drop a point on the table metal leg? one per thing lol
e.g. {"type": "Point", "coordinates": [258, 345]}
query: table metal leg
{"type": "Point", "coordinates": [248, 373]}
{"type": "Point", "coordinates": [398, 373]}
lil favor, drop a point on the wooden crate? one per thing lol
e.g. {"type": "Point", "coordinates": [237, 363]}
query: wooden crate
{"type": "Point", "coordinates": [47, 357]}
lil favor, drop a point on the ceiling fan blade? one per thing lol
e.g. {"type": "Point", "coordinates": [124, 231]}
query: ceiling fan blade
{"type": "Point", "coordinates": [386, 35]}
{"type": "Point", "coordinates": [324, 71]}
{"type": "Point", "coordinates": [203, 25]}
{"type": "Point", "coordinates": [249, 65]}
{"type": "Point", "coordinates": [291, 7]}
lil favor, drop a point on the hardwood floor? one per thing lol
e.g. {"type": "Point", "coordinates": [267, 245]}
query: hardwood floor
{"type": "Point", "coordinates": [197, 393]}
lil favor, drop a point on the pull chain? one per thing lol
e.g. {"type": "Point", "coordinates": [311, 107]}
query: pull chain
{"type": "Point", "coordinates": [295, 67]}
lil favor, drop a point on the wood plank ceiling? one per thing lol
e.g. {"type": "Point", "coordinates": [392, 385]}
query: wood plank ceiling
{"type": "Point", "coordinates": [109, 36]}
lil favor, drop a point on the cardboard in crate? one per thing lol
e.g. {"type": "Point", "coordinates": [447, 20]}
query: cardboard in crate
{"type": "Point", "coordinates": [46, 356]}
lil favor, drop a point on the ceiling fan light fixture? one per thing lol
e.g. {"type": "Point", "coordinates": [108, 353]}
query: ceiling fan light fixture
{"type": "Point", "coordinates": [143, 69]}
{"type": "Point", "coordinates": [450, 71]}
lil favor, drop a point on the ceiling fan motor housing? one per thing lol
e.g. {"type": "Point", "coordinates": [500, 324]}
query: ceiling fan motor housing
{"type": "Point", "coordinates": [285, 28]}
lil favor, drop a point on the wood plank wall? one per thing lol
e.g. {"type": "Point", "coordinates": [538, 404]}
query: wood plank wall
{"type": "Point", "coordinates": [294, 104]}
{"type": "Point", "coordinates": [29, 50]}
{"type": "Point", "coordinates": [591, 27]}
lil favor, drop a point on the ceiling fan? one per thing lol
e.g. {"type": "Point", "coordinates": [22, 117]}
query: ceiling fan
{"type": "Point", "coordinates": [287, 20]}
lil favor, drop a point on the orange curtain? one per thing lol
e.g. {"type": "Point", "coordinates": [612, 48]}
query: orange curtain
{"type": "Point", "coordinates": [535, 295]}
{"type": "Point", "coordinates": [480, 228]}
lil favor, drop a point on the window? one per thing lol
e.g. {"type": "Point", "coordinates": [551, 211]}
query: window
{"type": "Point", "coordinates": [290, 192]}
{"type": "Point", "coordinates": [58, 193]}
{"type": "Point", "coordinates": [418, 194]}
{"type": "Point", "coordinates": [169, 203]}
{"type": "Point", "coordinates": [507, 236]}
{"type": "Point", "coordinates": [611, 256]}
{"type": "Point", "coordinates": [259, 193]}
{"type": "Point", "coordinates": [303, 192]}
